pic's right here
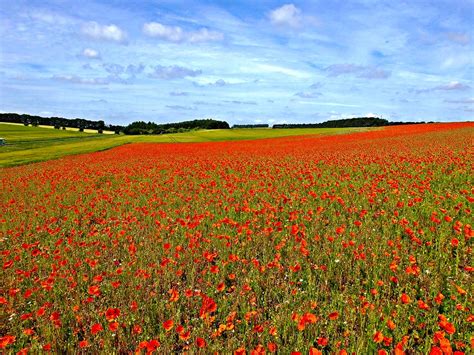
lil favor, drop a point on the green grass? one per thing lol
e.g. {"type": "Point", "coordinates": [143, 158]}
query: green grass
{"type": "Point", "coordinates": [20, 137]}
{"type": "Point", "coordinates": [33, 144]}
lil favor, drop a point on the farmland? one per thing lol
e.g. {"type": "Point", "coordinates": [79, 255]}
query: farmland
{"type": "Point", "coordinates": [358, 242]}
{"type": "Point", "coordinates": [34, 144]}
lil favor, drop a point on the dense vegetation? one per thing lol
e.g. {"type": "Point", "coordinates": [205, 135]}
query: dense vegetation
{"type": "Point", "coordinates": [250, 126]}
{"type": "Point", "coordinates": [348, 122]}
{"type": "Point", "coordinates": [57, 122]}
{"type": "Point", "coordinates": [141, 127]}
{"type": "Point", "coordinates": [148, 128]}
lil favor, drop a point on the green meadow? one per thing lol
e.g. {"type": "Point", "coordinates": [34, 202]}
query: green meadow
{"type": "Point", "coordinates": [33, 144]}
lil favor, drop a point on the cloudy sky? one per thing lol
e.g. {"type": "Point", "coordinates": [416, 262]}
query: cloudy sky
{"type": "Point", "coordinates": [241, 61]}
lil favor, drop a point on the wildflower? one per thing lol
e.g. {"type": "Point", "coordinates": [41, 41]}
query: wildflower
{"type": "Point", "coordinates": [168, 324]}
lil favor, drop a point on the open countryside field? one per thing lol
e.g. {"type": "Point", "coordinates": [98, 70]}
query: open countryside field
{"type": "Point", "coordinates": [33, 144]}
{"type": "Point", "coordinates": [349, 243]}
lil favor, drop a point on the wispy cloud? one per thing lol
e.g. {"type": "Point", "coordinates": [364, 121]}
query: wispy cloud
{"type": "Point", "coordinates": [374, 73]}
{"type": "Point", "coordinates": [90, 53]}
{"type": "Point", "coordinates": [286, 15]}
{"type": "Point", "coordinates": [295, 59]}
{"type": "Point", "coordinates": [239, 102]}
{"type": "Point", "coordinates": [219, 82]}
{"type": "Point", "coordinates": [74, 79]}
{"type": "Point", "coordinates": [462, 101]}
{"type": "Point", "coordinates": [453, 85]}
{"type": "Point", "coordinates": [177, 34]}
{"type": "Point", "coordinates": [114, 69]}
{"type": "Point", "coordinates": [50, 17]}
{"type": "Point", "coordinates": [308, 94]}
{"type": "Point", "coordinates": [134, 69]}
{"type": "Point", "coordinates": [361, 71]}
{"type": "Point", "coordinates": [341, 69]}
{"type": "Point", "coordinates": [180, 107]}
{"type": "Point", "coordinates": [104, 32]}
{"type": "Point", "coordinates": [114, 74]}
{"type": "Point", "coordinates": [179, 93]}
{"type": "Point", "coordinates": [275, 69]}
{"type": "Point", "coordinates": [292, 17]}
{"type": "Point", "coordinates": [173, 72]}
{"type": "Point", "coordinates": [211, 80]}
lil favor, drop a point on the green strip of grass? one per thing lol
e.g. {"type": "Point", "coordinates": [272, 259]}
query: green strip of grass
{"type": "Point", "coordinates": [33, 144]}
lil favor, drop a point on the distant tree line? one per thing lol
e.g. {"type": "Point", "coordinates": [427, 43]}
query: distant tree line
{"type": "Point", "coordinates": [58, 122]}
{"type": "Point", "coordinates": [348, 122]}
{"type": "Point", "coordinates": [250, 126]}
{"type": "Point", "coordinates": [141, 127]}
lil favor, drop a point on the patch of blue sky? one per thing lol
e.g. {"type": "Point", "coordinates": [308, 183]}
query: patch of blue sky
{"type": "Point", "coordinates": [241, 61]}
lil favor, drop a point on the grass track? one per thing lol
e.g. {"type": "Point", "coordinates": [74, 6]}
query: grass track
{"type": "Point", "coordinates": [33, 144]}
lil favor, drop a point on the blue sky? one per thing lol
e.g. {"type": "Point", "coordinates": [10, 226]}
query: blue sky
{"type": "Point", "coordinates": [239, 61]}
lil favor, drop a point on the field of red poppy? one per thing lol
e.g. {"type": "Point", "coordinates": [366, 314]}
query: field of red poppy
{"type": "Point", "coordinates": [357, 243]}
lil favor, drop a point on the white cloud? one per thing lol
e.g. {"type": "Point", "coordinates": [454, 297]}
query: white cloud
{"type": "Point", "coordinates": [173, 72]}
{"type": "Point", "coordinates": [79, 80]}
{"type": "Point", "coordinates": [90, 53]}
{"type": "Point", "coordinates": [49, 17]}
{"type": "Point", "coordinates": [179, 93]}
{"type": "Point", "coordinates": [370, 114]}
{"type": "Point", "coordinates": [109, 79]}
{"type": "Point", "coordinates": [210, 80]}
{"type": "Point", "coordinates": [308, 94]}
{"type": "Point", "coordinates": [220, 82]}
{"type": "Point", "coordinates": [462, 101]}
{"type": "Point", "coordinates": [104, 32]}
{"type": "Point", "coordinates": [169, 33]}
{"type": "Point", "coordinates": [204, 35]}
{"type": "Point", "coordinates": [268, 68]}
{"type": "Point", "coordinates": [453, 85]}
{"type": "Point", "coordinates": [457, 60]}
{"type": "Point", "coordinates": [286, 15]}
{"type": "Point", "coordinates": [177, 34]}
{"type": "Point", "coordinates": [367, 72]}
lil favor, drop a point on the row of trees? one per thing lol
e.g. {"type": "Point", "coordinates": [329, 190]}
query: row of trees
{"type": "Point", "coordinates": [348, 122]}
{"type": "Point", "coordinates": [250, 126]}
{"type": "Point", "coordinates": [58, 122]}
{"type": "Point", "coordinates": [141, 127]}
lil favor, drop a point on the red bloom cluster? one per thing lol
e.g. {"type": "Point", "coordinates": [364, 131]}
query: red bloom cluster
{"type": "Point", "coordinates": [313, 244]}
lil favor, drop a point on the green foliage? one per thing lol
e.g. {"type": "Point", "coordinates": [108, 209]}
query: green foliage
{"type": "Point", "coordinates": [348, 122]}
{"type": "Point", "coordinates": [141, 127]}
{"type": "Point", "coordinates": [250, 126]}
{"type": "Point", "coordinates": [54, 121]}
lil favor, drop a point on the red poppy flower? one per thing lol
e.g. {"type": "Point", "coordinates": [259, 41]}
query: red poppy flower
{"type": "Point", "coordinates": [112, 313]}
{"type": "Point", "coordinates": [201, 343]}
{"type": "Point", "coordinates": [168, 324]}
{"type": "Point", "coordinates": [96, 328]}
